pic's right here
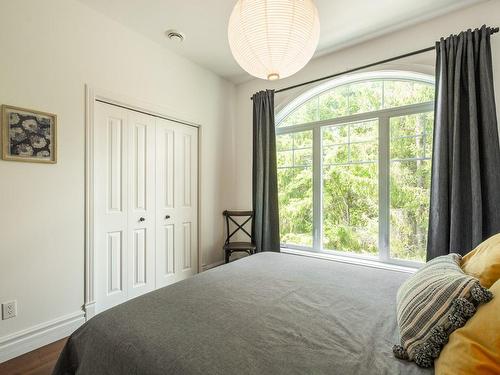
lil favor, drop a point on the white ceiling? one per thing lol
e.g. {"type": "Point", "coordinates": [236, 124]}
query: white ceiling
{"type": "Point", "coordinates": [204, 22]}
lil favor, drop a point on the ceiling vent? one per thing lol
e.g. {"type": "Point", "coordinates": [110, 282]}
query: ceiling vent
{"type": "Point", "coordinates": [175, 35]}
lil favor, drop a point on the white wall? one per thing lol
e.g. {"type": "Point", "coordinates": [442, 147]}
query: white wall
{"type": "Point", "coordinates": [407, 40]}
{"type": "Point", "coordinates": [50, 49]}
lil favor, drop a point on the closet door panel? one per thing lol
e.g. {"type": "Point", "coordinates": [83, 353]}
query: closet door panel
{"type": "Point", "coordinates": [141, 217]}
{"type": "Point", "coordinates": [139, 259]}
{"type": "Point", "coordinates": [110, 205]}
{"type": "Point", "coordinates": [165, 248]}
{"type": "Point", "coordinates": [166, 208]}
{"type": "Point", "coordinates": [187, 168]}
{"type": "Point", "coordinates": [187, 185]}
{"type": "Point", "coordinates": [115, 128]}
{"type": "Point", "coordinates": [186, 246]}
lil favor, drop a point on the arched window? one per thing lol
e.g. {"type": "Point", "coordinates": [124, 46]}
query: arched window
{"type": "Point", "coordinates": [354, 166]}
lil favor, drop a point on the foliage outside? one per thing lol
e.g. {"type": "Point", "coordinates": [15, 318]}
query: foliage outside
{"type": "Point", "coordinates": [350, 182]}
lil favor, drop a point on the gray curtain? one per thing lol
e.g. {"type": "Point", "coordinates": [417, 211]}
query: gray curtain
{"type": "Point", "coordinates": [465, 184]}
{"type": "Point", "coordinates": [265, 225]}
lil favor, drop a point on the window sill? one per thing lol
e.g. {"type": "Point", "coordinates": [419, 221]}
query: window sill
{"type": "Point", "coordinates": [351, 260]}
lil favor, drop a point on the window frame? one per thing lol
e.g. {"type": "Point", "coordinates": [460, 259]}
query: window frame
{"type": "Point", "coordinates": [384, 117]}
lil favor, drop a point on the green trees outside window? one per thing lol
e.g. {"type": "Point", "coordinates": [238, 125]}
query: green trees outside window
{"type": "Point", "coordinates": [369, 181]}
{"type": "Point", "coordinates": [295, 187]}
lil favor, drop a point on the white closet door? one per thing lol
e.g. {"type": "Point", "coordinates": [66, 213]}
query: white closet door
{"type": "Point", "coordinates": [111, 204]}
{"type": "Point", "coordinates": [141, 197]}
{"type": "Point", "coordinates": [166, 160]}
{"type": "Point", "coordinates": [145, 203]}
{"type": "Point", "coordinates": [177, 202]}
{"type": "Point", "coordinates": [187, 200]}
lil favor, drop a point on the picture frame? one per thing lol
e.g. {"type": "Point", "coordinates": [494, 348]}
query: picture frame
{"type": "Point", "coordinates": [28, 135]}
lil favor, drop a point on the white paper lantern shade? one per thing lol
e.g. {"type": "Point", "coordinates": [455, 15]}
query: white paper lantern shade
{"type": "Point", "coordinates": [273, 39]}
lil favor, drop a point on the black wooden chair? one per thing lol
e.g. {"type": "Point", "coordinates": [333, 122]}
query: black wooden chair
{"type": "Point", "coordinates": [238, 246]}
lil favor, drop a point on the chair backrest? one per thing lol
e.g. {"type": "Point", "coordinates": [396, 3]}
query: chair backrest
{"type": "Point", "coordinates": [230, 215]}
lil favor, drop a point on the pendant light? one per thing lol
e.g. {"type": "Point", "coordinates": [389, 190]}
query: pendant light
{"type": "Point", "coordinates": [273, 39]}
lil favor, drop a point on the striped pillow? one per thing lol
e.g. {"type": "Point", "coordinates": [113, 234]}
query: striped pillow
{"type": "Point", "coordinates": [431, 304]}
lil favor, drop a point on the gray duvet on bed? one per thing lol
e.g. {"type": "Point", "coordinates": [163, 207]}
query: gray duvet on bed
{"type": "Point", "coordinates": [268, 313]}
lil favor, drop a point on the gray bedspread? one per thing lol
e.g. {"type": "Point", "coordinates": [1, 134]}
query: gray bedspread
{"type": "Point", "coordinates": [265, 314]}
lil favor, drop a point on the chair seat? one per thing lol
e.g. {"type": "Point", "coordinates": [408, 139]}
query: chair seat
{"type": "Point", "coordinates": [239, 246]}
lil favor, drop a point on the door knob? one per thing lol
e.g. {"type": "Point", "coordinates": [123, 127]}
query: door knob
{"type": "Point", "coordinates": [142, 219]}
{"type": "Point", "coordinates": [167, 216]}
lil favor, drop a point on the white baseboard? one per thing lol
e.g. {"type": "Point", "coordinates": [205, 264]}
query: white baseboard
{"type": "Point", "coordinates": [206, 267]}
{"type": "Point", "coordinates": [32, 338]}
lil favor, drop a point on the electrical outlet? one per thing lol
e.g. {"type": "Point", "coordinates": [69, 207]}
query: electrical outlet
{"type": "Point", "coordinates": [9, 309]}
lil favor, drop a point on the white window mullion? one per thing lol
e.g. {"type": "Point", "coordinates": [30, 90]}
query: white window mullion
{"type": "Point", "coordinates": [383, 183]}
{"type": "Point", "coordinates": [317, 191]}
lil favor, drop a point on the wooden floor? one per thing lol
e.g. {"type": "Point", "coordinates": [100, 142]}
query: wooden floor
{"type": "Point", "coordinates": [37, 362]}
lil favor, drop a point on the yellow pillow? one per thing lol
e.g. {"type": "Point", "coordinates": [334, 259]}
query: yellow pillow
{"type": "Point", "coordinates": [475, 348]}
{"type": "Point", "coordinates": [484, 261]}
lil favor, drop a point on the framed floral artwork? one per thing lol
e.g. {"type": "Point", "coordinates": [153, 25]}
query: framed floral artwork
{"type": "Point", "coordinates": [28, 135]}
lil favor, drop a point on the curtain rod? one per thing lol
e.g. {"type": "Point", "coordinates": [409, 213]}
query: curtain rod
{"type": "Point", "coordinates": [493, 31]}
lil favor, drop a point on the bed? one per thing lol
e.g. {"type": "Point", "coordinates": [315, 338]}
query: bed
{"type": "Point", "coordinates": [269, 313]}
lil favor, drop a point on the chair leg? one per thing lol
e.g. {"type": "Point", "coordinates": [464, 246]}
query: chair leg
{"type": "Point", "coordinates": [228, 255]}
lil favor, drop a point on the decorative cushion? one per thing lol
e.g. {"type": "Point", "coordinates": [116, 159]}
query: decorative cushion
{"type": "Point", "coordinates": [431, 304]}
{"type": "Point", "coordinates": [475, 348]}
{"type": "Point", "coordinates": [484, 261]}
